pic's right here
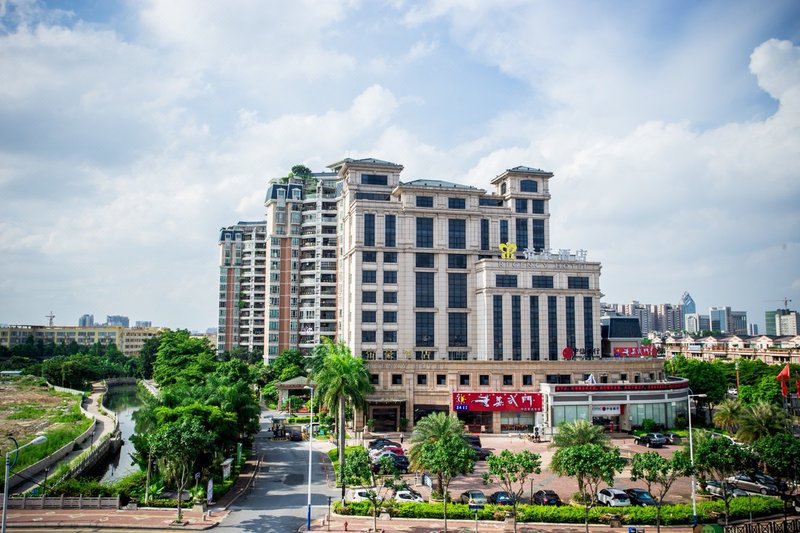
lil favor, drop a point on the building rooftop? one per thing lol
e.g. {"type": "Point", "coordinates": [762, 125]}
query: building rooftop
{"type": "Point", "coordinates": [437, 183]}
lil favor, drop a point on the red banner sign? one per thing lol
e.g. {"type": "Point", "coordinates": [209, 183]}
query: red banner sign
{"type": "Point", "coordinates": [613, 387]}
{"type": "Point", "coordinates": [636, 351]}
{"type": "Point", "coordinates": [497, 401]}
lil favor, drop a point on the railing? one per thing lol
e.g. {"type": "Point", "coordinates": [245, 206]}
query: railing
{"type": "Point", "coordinates": [774, 526]}
{"type": "Point", "coordinates": [62, 502]}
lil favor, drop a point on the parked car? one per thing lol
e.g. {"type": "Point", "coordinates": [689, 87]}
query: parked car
{"type": "Point", "coordinates": [400, 463]}
{"type": "Point", "coordinates": [376, 457]}
{"type": "Point", "coordinates": [752, 484]}
{"type": "Point", "coordinates": [640, 497]}
{"type": "Point", "coordinates": [769, 480]}
{"type": "Point", "coordinates": [408, 496]}
{"type": "Point", "coordinates": [295, 435]}
{"type": "Point", "coordinates": [613, 497]}
{"type": "Point", "coordinates": [546, 497]}
{"type": "Point", "coordinates": [381, 443]}
{"type": "Point", "coordinates": [473, 496]}
{"type": "Point", "coordinates": [651, 440]}
{"type": "Point", "coordinates": [397, 450]}
{"type": "Point", "coordinates": [714, 488]}
{"type": "Point", "coordinates": [359, 495]}
{"type": "Point", "coordinates": [501, 497]}
{"type": "Point", "coordinates": [473, 440]}
{"type": "Point", "coordinates": [672, 438]}
{"type": "Point", "coordinates": [481, 453]}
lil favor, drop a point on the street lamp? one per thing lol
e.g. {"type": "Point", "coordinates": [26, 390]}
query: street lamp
{"type": "Point", "coordinates": [310, 442]}
{"type": "Point", "coordinates": [38, 440]}
{"type": "Point", "coordinates": [691, 455]}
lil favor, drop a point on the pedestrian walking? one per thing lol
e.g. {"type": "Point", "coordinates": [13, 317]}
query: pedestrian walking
{"type": "Point", "coordinates": [401, 438]}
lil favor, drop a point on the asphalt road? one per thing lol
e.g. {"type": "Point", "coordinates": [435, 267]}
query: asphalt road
{"type": "Point", "coordinates": [277, 502]}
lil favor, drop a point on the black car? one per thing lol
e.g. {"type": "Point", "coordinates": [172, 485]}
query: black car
{"type": "Point", "coordinates": [546, 497]}
{"type": "Point", "coordinates": [473, 440]}
{"type": "Point", "coordinates": [400, 463]}
{"type": "Point", "coordinates": [377, 444]}
{"type": "Point", "coordinates": [651, 440]}
{"type": "Point", "coordinates": [481, 453]}
{"type": "Point", "coordinates": [501, 497]}
{"type": "Point", "coordinates": [640, 497]}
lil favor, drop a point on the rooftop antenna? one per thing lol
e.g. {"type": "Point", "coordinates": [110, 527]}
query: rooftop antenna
{"type": "Point", "coordinates": [51, 316]}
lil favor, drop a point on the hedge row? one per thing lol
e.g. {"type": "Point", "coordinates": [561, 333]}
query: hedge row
{"type": "Point", "coordinates": [673, 514]}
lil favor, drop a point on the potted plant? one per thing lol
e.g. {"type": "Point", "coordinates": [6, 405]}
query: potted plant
{"type": "Point", "coordinates": [371, 424]}
{"type": "Point", "coordinates": [403, 423]}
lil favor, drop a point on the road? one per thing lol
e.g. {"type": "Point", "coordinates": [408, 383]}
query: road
{"type": "Point", "coordinates": [278, 501]}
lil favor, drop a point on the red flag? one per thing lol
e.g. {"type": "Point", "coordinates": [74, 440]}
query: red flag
{"type": "Point", "coordinates": [783, 377]}
{"type": "Point", "coordinates": [797, 386]}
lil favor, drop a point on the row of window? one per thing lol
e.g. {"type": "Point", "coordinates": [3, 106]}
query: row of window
{"type": "Point", "coordinates": [371, 297]}
{"type": "Point", "coordinates": [371, 276]}
{"type": "Point", "coordinates": [463, 380]}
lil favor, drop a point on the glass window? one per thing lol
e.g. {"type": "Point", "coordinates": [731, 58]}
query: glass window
{"type": "Point", "coordinates": [422, 379]}
{"type": "Point", "coordinates": [390, 317]}
{"type": "Point", "coordinates": [542, 282]}
{"type": "Point", "coordinates": [570, 320]}
{"type": "Point", "coordinates": [506, 280]}
{"type": "Point", "coordinates": [374, 179]}
{"type": "Point", "coordinates": [497, 316]}
{"type": "Point", "coordinates": [425, 327]}
{"type": "Point", "coordinates": [382, 197]}
{"type": "Point", "coordinates": [527, 380]}
{"type": "Point", "coordinates": [424, 232]}
{"type": "Point", "coordinates": [369, 229]}
{"type": "Point", "coordinates": [424, 201]}
{"type": "Point", "coordinates": [457, 290]}
{"type": "Point", "coordinates": [588, 325]}
{"type": "Point", "coordinates": [367, 336]}
{"type": "Point", "coordinates": [390, 276]}
{"type": "Point", "coordinates": [484, 234]}
{"type": "Point", "coordinates": [552, 329]}
{"type": "Point", "coordinates": [463, 379]}
{"type": "Point", "coordinates": [537, 207]}
{"type": "Point", "coordinates": [521, 205]}
{"type": "Point", "coordinates": [537, 226]}
{"type": "Point", "coordinates": [390, 231]}
{"type": "Point", "coordinates": [516, 328]}
{"type": "Point", "coordinates": [508, 379]}
{"type": "Point", "coordinates": [534, 321]}
{"type": "Point", "coordinates": [373, 379]}
{"type": "Point", "coordinates": [424, 289]}
{"type": "Point", "coordinates": [390, 297]}
{"type": "Point", "coordinates": [368, 316]}
{"type": "Point", "coordinates": [522, 233]}
{"type": "Point", "coordinates": [528, 186]}
{"type": "Point", "coordinates": [368, 297]}
{"type": "Point", "coordinates": [456, 203]}
{"type": "Point", "coordinates": [397, 379]}
{"type": "Point", "coordinates": [483, 380]}
{"type": "Point", "coordinates": [457, 329]}
{"type": "Point", "coordinates": [578, 282]}
{"type": "Point", "coordinates": [441, 379]}
{"type": "Point", "coordinates": [457, 355]}
{"type": "Point", "coordinates": [457, 233]}
{"type": "Point", "coordinates": [369, 257]}
{"type": "Point", "coordinates": [390, 336]}
{"type": "Point", "coordinates": [369, 276]}
{"type": "Point", "coordinates": [456, 261]}
{"type": "Point", "coordinates": [504, 231]}
{"type": "Point", "coordinates": [424, 260]}
{"type": "Point", "coordinates": [390, 257]}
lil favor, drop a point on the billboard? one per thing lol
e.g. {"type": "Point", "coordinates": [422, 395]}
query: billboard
{"type": "Point", "coordinates": [635, 351]}
{"type": "Point", "coordinates": [497, 401]}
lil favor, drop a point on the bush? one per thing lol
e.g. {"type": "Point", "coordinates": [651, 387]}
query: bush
{"type": "Point", "coordinates": [649, 425]}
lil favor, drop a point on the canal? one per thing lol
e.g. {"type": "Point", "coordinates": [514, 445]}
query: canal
{"type": "Point", "coordinates": [124, 402]}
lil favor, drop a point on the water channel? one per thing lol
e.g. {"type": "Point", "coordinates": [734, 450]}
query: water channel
{"type": "Point", "coordinates": [124, 402]}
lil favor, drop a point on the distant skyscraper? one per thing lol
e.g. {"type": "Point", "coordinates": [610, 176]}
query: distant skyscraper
{"type": "Point", "coordinates": [118, 320]}
{"type": "Point", "coordinates": [144, 324]}
{"type": "Point", "coordinates": [86, 321]}
{"type": "Point", "coordinates": [688, 307]}
{"type": "Point", "coordinates": [753, 329]}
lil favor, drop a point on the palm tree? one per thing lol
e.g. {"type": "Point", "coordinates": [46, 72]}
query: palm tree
{"type": "Point", "coordinates": [434, 427]}
{"type": "Point", "coordinates": [579, 432]}
{"type": "Point", "coordinates": [340, 377]}
{"type": "Point", "coordinates": [760, 420]}
{"type": "Point", "coordinates": [727, 414]}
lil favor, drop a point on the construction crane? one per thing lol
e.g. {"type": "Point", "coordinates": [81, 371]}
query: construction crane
{"type": "Point", "coordinates": [784, 300]}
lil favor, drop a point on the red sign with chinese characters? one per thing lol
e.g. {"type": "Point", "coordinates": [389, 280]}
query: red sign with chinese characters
{"type": "Point", "coordinates": [636, 351]}
{"type": "Point", "coordinates": [497, 401]}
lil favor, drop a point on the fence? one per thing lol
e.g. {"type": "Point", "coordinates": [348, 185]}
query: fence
{"type": "Point", "coordinates": [63, 502]}
{"type": "Point", "coordinates": [775, 526]}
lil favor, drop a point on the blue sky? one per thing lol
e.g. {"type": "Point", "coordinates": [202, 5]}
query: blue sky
{"type": "Point", "coordinates": [130, 132]}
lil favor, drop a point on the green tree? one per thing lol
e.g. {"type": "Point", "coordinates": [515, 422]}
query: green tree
{"type": "Point", "coordinates": [761, 420]}
{"type": "Point", "coordinates": [727, 414]}
{"type": "Point", "coordinates": [766, 389]}
{"type": "Point", "coordinates": [176, 446]}
{"type": "Point", "coordinates": [341, 377]}
{"type": "Point", "coordinates": [147, 356]}
{"type": "Point", "coordinates": [590, 465]}
{"type": "Point", "coordinates": [721, 458]}
{"type": "Point", "coordinates": [780, 455]}
{"type": "Point", "coordinates": [431, 429]}
{"type": "Point", "coordinates": [658, 471]}
{"type": "Point", "coordinates": [509, 469]}
{"type": "Point", "coordinates": [358, 470]}
{"type": "Point", "coordinates": [180, 357]}
{"type": "Point", "coordinates": [579, 432]}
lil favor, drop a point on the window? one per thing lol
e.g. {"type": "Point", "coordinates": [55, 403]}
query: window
{"type": "Point", "coordinates": [497, 316]}
{"type": "Point", "coordinates": [463, 379]}
{"type": "Point", "coordinates": [521, 205]}
{"type": "Point", "coordinates": [528, 186]}
{"type": "Point", "coordinates": [374, 179]}
{"type": "Point", "coordinates": [390, 276]}
{"type": "Point", "coordinates": [390, 336]}
{"type": "Point", "coordinates": [503, 188]}
{"type": "Point", "coordinates": [506, 280]}
{"type": "Point", "coordinates": [373, 379]}
{"type": "Point", "coordinates": [527, 380]}
{"type": "Point", "coordinates": [390, 231]}
{"type": "Point", "coordinates": [542, 282]}
{"type": "Point", "coordinates": [484, 234]}
{"type": "Point", "coordinates": [368, 336]}
{"type": "Point", "coordinates": [456, 203]}
{"type": "Point", "coordinates": [422, 379]}
{"type": "Point", "coordinates": [424, 260]}
{"type": "Point", "coordinates": [368, 297]}
{"type": "Point", "coordinates": [424, 232]}
{"type": "Point", "coordinates": [382, 197]}
{"type": "Point", "coordinates": [425, 326]}
{"type": "Point", "coordinates": [424, 289]}
{"type": "Point", "coordinates": [457, 290]}
{"type": "Point", "coordinates": [457, 329]}
{"type": "Point", "coordinates": [508, 380]}
{"type": "Point", "coordinates": [578, 282]}
{"type": "Point", "coordinates": [516, 328]}
{"type": "Point", "coordinates": [457, 233]}
{"type": "Point", "coordinates": [552, 329]}
{"type": "Point", "coordinates": [441, 379]}
{"type": "Point", "coordinates": [504, 231]}
{"type": "Point", "coordinates": [369, 229]}
{"type": "Point", "coordinates": [534, 320]}
{"type": "Point", "coordinates": [483, 380]}
{"type": "Point", "coordinates": [457, 356]}
{"type": "Point", "coordinates": [522, 233]}
{"type": "Point", "coordinates": [456, 261]}
{"type": "Point", "coordinates": [390, 297]}
{"type": "Point", "coordinates": [369, 257]}
{"type": "Point", "coordinates": [369, 276]}
{"type": "Point", "coordinates": [390, 317]}
{"type": "Point", "coordinates": [588, 325]}
{"type": "Point", "coordinates": [390, 257]}
{"type": "Point", "coordinates": [570, 320]}
{"type": "Point", "coordinates": [537, 207]}
{"type": "Point", "coordinates": [397, 379]}
{"type": "Point", "coordinates": [424, 201]}
{"type": "Point", "coordinates": [368, 316]}
{"type": "Point", "coordinates": [490, 202]}
{"type": "Point", "coordinates": [537, 227]}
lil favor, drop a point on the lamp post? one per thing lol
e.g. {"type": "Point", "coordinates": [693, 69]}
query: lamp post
{"type": "Point", "coordinates": [691, 455]}
{"type": "Point", "coordinates": [310, 449]}
{"type": "Point", "coordinates": [38, 440]}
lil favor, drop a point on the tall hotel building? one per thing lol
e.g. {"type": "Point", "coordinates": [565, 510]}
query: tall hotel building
{"type": "Point", "coordinates": [456, 299]}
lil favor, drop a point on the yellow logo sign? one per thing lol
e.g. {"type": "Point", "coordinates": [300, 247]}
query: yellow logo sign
{"type": "Point", "coordinates": [508, 250]}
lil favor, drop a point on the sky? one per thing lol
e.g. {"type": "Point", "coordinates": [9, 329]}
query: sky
{"type": "Point", "coordinates": [132, 131]}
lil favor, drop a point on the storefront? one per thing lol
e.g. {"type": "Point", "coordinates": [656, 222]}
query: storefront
{"type": "Point", "coordinates": [498, 412]}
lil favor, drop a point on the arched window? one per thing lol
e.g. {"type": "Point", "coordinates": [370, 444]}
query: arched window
{"type": "Point", "coordinates": [502, 188]}
{"type": "Point", "coordinates": [528, 186]}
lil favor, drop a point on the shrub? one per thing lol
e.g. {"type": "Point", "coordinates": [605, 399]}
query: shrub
{"type": "Point", "coordinates": [649, 425]}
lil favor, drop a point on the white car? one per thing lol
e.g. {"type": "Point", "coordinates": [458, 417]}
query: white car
{"type": "Point", "coordinates": [360, 495]}
{"type": "Point", "coordinates": [408, 496]}
{"type": "Point", "coordinates": [613, 497]}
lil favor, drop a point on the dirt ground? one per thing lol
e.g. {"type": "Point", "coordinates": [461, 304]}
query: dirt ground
{"type": "Point", "coordinates": [26, 409]}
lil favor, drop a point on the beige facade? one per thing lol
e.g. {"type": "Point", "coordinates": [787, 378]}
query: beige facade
{"type": "Point", "coordinates": [128, 340]}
